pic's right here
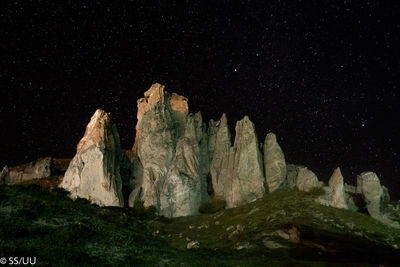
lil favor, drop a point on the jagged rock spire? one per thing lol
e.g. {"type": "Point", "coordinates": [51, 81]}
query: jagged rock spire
{"type": "Point", "coordinates": [94, 171]}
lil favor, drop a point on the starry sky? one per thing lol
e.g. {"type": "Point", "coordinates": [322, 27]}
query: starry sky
{"type": "Point", "coordinates": [322, 75]}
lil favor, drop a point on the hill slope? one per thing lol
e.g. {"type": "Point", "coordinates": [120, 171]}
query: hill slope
{"type": "Point", "coordinates": [283, 227]}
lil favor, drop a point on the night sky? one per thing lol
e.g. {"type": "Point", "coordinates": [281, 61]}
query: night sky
{"type": "Point", "coordinates": [322, 75]}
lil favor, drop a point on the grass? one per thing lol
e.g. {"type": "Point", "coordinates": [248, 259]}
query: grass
{"type": "Point", "coordinates": [44, 223]}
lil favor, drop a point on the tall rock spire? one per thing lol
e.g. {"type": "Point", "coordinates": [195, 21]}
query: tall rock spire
{"type": "Point", "coordinates": [94, 171]}
{"type": "Point", "coordinates": [274, 163]}
{"type": "Point", "coordinates": [237, 171]}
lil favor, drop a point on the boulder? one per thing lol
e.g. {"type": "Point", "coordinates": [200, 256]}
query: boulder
{"type": "Point", "coordinates": [274, 163]}
{"type": "Point", "coordinates": [369, 186]}
{"type": "Point", "coordinates": [237, 171]}
{"type": "Point", "coordinates": [4, 176]}
{"type": "Point", "coordinates": [94, 172]}
{"type": "Point", "coordinates": [306, 179]}
{"type": "Point", "coordinates": [40, 168]}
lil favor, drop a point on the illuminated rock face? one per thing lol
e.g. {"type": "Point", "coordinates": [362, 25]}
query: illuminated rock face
{"type": "Point", "coordinates": [40, 168]}
{"type": "Point", "coordinates": [154, 96]}
{"type": "Point", "coordinates": [237, 171]}
{"type": "Point", "coordinates": [336, 184]}
{"type": "Point", "coordinates": [172, 151]}
{"type": "Point", "coordinates": [334, 193]}
{"type": "Point", "coordinates": [274, 163]}
{"type": "Point", "coordinates": [94, 172]}
{"type": "Point", "coordinates": [306, 180]}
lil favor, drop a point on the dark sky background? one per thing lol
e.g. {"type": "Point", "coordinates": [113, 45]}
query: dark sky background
{"type": "Point", "coordinates": [323, 75]}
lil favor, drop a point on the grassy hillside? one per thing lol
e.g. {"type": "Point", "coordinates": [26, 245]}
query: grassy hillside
{"type": "Point", "coordinates": [58, 231]}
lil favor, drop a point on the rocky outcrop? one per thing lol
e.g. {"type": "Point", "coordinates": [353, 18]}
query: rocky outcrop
{"type": "Point", "coordinates": [184, 188]}
{"type": "Point", "coordinates": [94, 172]}
{"type": "Point", "coordinates": [337, 186]}
{"type": "Point", "coordinates": [156, 95]}
{"type": "Point", "coordinates": [4, 175]}
{"type": "Point", "coordinates": [40, 168]}
{"type": "Point", "coordinates": [291, 176]}
{"type": "Point", "coordinates": [274, 163]}
{"type": "Point", "coordinates": [334, 193]}
{"type": "Point", "coordinates": [236, 172]}
{"type": "Point", "coordinates": [369, 186]}
{"type": "Point", "coordinates": [173, 154]}
{"type": "Point", "coordinates": [306, 180]}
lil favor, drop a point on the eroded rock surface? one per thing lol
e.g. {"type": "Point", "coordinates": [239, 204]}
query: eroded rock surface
{"type": "Point", "coordinates": [274, 163]}
{"type": "Point", "coordinates": [94, 172]}
{"type": "Point", "coordinates": [334, 193]}
{"type": "Point", "coordinates": [40, 168]}
{"type": "Point", "coordinates": [237, 171]}
{"type": "Point", "coordinates": [306, 179]}
{"type": "Point", "coordinates": [4, 175]}
{"type": "Point", "coordinates": [172, 155]}
{"type": "Point", "coordinates": [369, 186]}
{"type": "Point", "coordinates": [156, 95]}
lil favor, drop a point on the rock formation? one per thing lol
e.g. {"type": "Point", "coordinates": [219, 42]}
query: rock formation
{"type": "Point", "coordinates": [40, 168]}
{"type": "Point", "coordinates": [369, 186]}
{"type": "Point", "coordinates": [4, 176]}
{"type": "Point", "coordinates": [94, 172]}
{"type": "Point", "coordinates": [336, 183]}
{"type": "Point", "coordinates": [183, 189]}
{"type": "Point", "coordinates": [274, 163]}
{"type": "Point", "coordinates": [306, 180]}
{"type": "Point", "coordinates": [291, 176]}
{"type": "Point", "coordinates": [236, 172]}
{"type": "Point", "coordinates": [334, 193]}
{"type": "Point", "coordinates": [154, 96]}
{"type": "Point", "coordinates": [172, 151]}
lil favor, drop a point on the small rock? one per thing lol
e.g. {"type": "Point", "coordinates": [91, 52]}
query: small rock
{"type": "Point", "coordinates": [245, 245]}
{"type": "Point", "coordinates": [233, 234]}
{"type": "Point", "coordinates": [193, 245]}
{"type": "Point", "coordinates": [294, 235]}
{"type": "Point", "coordinates": [272, 244]}
{"type": "Point", "coordinates": [187, 239]}
{"type": "Point", "coordinates": [282, 234]}
{"type": "Point", "coordinates": [253, 211]}
{"type": "Point", "coordinates": [230, 228]}
{"type": "Point", "coordinates": [240, 227]}
{"type": "Point", "coordinates": [202, 226]}
{"type": "Point", "coordinates": [217, 223]}
{"type": "Point", "coordinates": [191, 226]}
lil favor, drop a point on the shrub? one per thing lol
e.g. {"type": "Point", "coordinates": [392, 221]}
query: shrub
{"type": "Point", "coordinates": [316, 191]}
{"type": "Point", "coordinates": [212, 206]}
{"type": "Point", "coordinates": [141, 211]}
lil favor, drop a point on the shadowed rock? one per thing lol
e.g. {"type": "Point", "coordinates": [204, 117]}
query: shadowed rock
{"type": "Point", "coordinates": [40, 168]}
{"type": "Point", "coordinates": [369, 186]}
{"type": "Point", "coordinates": [274, 163]}
{"type": "Point", "coordinates": [94, 172]}
{"type": "Point", "coordinates": [4, 175]}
